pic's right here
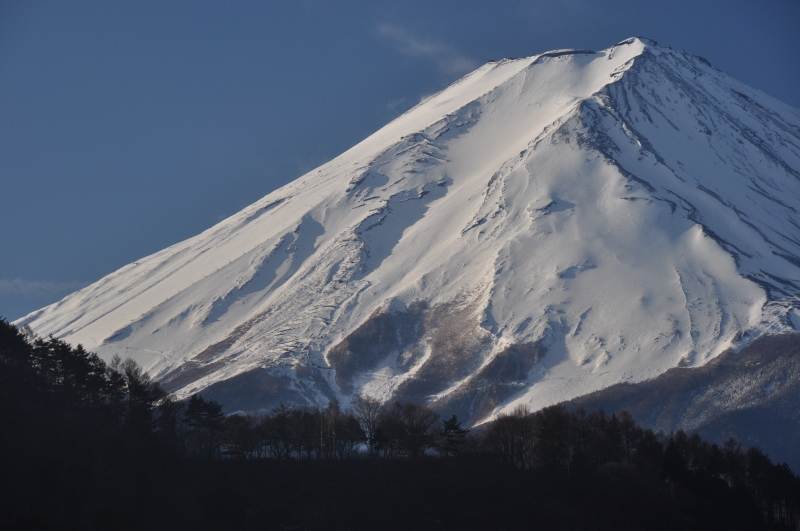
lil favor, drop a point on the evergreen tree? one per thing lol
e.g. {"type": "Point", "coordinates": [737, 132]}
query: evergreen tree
{"type": "Point", "coordinates": [453, 436]}
{"type": "Point", "coordinates": [205, 418]}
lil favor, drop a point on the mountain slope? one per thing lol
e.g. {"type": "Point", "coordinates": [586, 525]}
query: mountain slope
{"type": "Point", "coordinates": [543, 228]}
{"type": "Point", "coordinates": [752, 395]}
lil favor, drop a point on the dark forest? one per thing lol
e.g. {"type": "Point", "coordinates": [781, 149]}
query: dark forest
{"type": "Point", "coordinates": [94, 445]}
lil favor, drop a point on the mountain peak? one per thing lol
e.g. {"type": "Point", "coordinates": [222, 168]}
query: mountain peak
{"type": "Point", "coordinates": [542, 228]}
{"type": "Point", "coordinates": [637, 41]}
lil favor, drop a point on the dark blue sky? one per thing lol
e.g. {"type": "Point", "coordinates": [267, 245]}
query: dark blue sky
{"type": "Point", "coordinates": [126, 127]}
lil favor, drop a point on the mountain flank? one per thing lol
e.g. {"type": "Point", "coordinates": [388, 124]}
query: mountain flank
{"type": "Point", "coordinates": [752, 395]}
{"type": "Point", "coordinates": [542, 229]}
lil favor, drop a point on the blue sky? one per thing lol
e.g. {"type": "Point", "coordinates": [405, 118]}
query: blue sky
{"type": "Point", "coordinates": [126, 127]}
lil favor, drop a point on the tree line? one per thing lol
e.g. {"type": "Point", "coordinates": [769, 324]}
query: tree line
{"type": "Point", "coordinates": [71, 423]}
{"type": "Point", "coordinates": [368, 429]}
{"type": "Point", "coordinates": [120, 397]}
{"type": "Point", "coordinates": [578, 443]}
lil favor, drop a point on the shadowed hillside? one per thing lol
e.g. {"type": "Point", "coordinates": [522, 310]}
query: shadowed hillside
{"type": "Point", "coordinates": [753, 394]}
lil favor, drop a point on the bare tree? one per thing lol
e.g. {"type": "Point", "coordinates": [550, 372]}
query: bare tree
{"type": "Point", "coordinates": [240, 435]}
{"type": "Point", "coordinates": [513, 437]}
{"type": "Point", "coordinates": [411, 428]}
{"type": "Point", "coordinates": [630, 432]}
{"type": "Point", "coordinates": [368, 411]}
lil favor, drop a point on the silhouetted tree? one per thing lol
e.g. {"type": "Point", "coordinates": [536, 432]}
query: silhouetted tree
{"type": "Point", "coordinates": [368, 411]}
{"type": "Point", "coordinates": [169, 422]}
{"type": "Point", "coordinates": [205, 420]}
{"type": "Point", "coordinates": [240, 435]}
{"type": "Point", "coordinates": [280, 432]}
{"type": "Point", "coordinates": [734, 462]}
{"type": "Point", "coordinates": [410, 428]}
{"type": "Point", "coordinates": [630, 434]}
{"type": "Point", "coordinates": [452, 436]}
{"type": "Point", "coordinates": [513, 438]}
{"type": "Point", "coordinates": [555, 436]}
{"type": "Point", "coordinates": [142, 398]}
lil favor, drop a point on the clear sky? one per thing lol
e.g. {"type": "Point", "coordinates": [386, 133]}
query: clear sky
{"type": "Point", "coordinates": [126, 127]}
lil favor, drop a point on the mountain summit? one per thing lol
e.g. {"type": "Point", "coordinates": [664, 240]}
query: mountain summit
{"type": "Point", "coordinates": [542, 228]}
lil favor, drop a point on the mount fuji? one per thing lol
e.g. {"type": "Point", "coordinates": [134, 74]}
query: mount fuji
{"type": "Point", "coordinates": [541, 229]}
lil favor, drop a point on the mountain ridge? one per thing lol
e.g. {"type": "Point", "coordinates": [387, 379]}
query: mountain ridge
{"type": "Point", "coordinates": [488, 233]}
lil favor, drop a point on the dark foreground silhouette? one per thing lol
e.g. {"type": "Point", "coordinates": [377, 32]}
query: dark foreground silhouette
{"type": "Point", "coordinates": [90, 445]}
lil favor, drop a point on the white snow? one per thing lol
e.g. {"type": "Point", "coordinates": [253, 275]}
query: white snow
{"type": "Point", "coordinates": [629, 209]}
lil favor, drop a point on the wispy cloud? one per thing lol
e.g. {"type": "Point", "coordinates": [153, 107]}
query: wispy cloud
{"type": "Point", "coordinates": [395, 105]}
{"type": "Point", "coordinates": [37, 288]}
{"type": "Point", "coordinates": [447, 59]}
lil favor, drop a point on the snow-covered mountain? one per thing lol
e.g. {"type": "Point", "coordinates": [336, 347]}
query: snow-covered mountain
{"type": "Point", "coordinates": [543, 228]}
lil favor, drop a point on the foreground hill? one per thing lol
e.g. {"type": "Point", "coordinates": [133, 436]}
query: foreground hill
{"type": "Point", "coordinates": [97, 446]}
{"type": "Point", "coordinates": [541, 229]}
